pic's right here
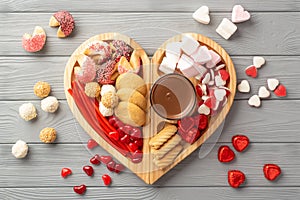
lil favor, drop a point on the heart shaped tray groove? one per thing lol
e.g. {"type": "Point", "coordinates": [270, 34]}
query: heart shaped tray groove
{"type": "Point", "coordinates": [146, 169]}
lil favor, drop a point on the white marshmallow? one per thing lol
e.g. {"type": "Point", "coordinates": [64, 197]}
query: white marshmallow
{"type": "Point", "coordinates": [226, 28]}
{"type": "Point", "coordinates": [173, 51]}
{"type": "Point", "coordinates": [202, 15]}
{"type": "Point", "coordinates": [186, 66]}
{"type": "Point", "coordinates": [189, 45]}
{"type": "Point", "coordinates": [201, 55]}
{"type": "Point", "coordinates": [202, 70]}
{"type": "Point", "coordinates": [166, 66]}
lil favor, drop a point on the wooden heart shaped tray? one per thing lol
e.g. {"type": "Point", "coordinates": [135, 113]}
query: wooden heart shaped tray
{"type": "Point", "coordinates": [150, 114]}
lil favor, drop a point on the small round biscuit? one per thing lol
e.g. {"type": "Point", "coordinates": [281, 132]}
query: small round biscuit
{"type": "Point", "coordinates": [130, 114]}
{"type": "Point", "coordinates": [132, 96]}
{"type": "Point", "coordinates": [131, 80]}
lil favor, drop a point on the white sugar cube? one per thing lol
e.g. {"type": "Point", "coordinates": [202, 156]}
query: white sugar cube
{"type": "Point", "coordinates": [226, 28]}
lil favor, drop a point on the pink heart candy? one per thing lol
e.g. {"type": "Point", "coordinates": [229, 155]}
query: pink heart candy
{"type": "Point", "coordinates": [239, 14]}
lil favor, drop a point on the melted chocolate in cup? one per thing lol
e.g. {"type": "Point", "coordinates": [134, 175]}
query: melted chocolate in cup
{"type": "Point", "coordinates": [173, 96]}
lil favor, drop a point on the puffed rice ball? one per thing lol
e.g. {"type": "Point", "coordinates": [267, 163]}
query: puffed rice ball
{"type": "Point", "coordinates": [92, 89]}
{"type": "Point", "coordinates": [110, 100]}
{"type": "Point", "coordinates": [106, 112]}
{"type": "Point", "coordinates": [48, 135]}
{"type": "Point", "coordinates": [42, 89]}
{"type": "Point", "coordinates": [19, 149]}
{"type": "Point", "coordinates": [107, 88]}
{"type": "Point", "coordinates": [27, 111]}
{"type": "Point", "coordinates": [49, 104]}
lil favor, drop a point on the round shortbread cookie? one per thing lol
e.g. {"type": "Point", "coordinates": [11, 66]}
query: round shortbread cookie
{"type": "Point", "coordinates": [130, 113]}
{"type": "Point", "coordinates": [132, 96]}
{"type": "Point", "coordinates": [131, 80]}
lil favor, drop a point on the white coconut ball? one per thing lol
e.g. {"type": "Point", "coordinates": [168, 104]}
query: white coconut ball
{"type": "Point", "coordinates": [27, 111]}
{"type": "Point", "coordinates": [49, 104]}
{"type": "Point", "coordinates": [107, 88]}
{"type": "Point", "coordinates": [106, 112]}
{"type": "Point", "coordinates": [20, 149]}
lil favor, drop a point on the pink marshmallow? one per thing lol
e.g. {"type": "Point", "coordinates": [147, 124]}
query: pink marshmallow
{"type": "Point", "coordinates": [186, 66]}
{"type": "Point", "coordinates": [214, 61]}
{"type": "Point", "coordinates": [202, 55]}
{"type": "Point", "coordinates": [189, 45]}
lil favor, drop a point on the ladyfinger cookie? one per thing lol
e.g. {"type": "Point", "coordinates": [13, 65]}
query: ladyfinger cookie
{"type": "Point", "coordinates": [168, 158]}
{"type": "Point", "coordinates": [163, 136]}
{"type": "Point", "coordinates": [170, 144]}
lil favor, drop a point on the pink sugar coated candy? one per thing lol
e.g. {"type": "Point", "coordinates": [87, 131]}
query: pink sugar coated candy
{"type": "Point", "coordinates": [35, 42]}
{"type": "Point", "coordinates": [87, 72]}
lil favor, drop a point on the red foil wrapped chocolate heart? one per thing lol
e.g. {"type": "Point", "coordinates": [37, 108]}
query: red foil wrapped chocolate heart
{"type": "Point", "coordinates": [271, 171]}
{"type": "Point", "coordinates": [240, 142]}
{"type": "Point", "coordinates": [225, 154]}
{"type": "Point", "coordinates": [236, 178]}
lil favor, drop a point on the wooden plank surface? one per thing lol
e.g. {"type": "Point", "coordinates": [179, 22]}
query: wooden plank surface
{"type": "Point", "coordinates": [25, 71]}
{"type": "Point", "coordinates": [143, 27]}
{"type": "Point", "coordinates": [148, 193]}
{"type": "Point", "coordinates": [144, 5]}
{"type": "Point", "coordinates": [48, 160]}
{"type": "Point", "coordinates": [273, 31]}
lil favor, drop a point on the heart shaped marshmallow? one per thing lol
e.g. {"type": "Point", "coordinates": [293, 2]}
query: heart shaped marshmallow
{"type": "Point", "coordinates": [263, 92]}
{"type": "Point", "coordinates": [219, 94]}
{"type": "Point", "coordinates": [251, 71]}
{"type": "Point", "coordinates": [203, 109]}
{"type": "Point", "coordinates": [239, 14]}
{"type": "Point", "coordinates": [202, 15]}
{"type": "Point", "coordinates": [272, 83]}
{"type": "Point", "coordinates": [254, 101]}
{"type": "Point", "coordinates": [244, 86]}
{"type": "Point", "coordinates": [258, 61]}
{"type": "Point", "coordinates": [280, 91]}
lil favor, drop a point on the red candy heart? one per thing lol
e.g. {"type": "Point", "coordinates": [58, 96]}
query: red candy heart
{"type": "Point", "coordinates": [271, 171]}
{"type": "Point", "coordinates": [119, 168]}
{"type": "Point", "coordinates": [202, 121]}
{"type": "Point", "coordinates": [133, 147]}
{"type": "Point", "coordinates": [236, 178]}
{"type": "Point", "coordinates": [199, 90]}
{"type": "Point", "coordinates": [225, 154]}
{"type": "Point", "coordinates": [224, 74]}
{"type": "Point", "coordinates": [280, 91]}
{"type": "Point", "coordinates": [80, 189]}
{"type": "Point", "coordinates": [251, 71]}
{"type": "Point", "coordinates": [88, 170]}
{"type": "Point", "coordinates": [91, 144]}
{"type": "Point", "coordinates": [114, 135]}
{"type": "Point", "coordinates": [105, 159]}
{"type": "Point", "coordinates": [240, 142]}
{"type": "Point", "coordinates": [106, 179]}
{"type": "Point", "coordinates": [95, 160]}
{"type": "Point", "coordinates": [186, 124]}
{"type": "Point", "coordinates": [65, 172]}
{"type": "Point", "coordinates": [111, 166]}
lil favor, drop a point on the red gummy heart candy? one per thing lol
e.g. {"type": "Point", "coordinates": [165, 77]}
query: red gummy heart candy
{"type": "Point", "coordinates": [280, 91]}
{"type": "Point", "coordinates": [236, 178]}
{"type": "Point", "coordinates": [95, 160]}
{"type": "Point", "coordinates": [224, 74]}
{"type": "Point", "coordinates": [271, 171]}
{"type": "Point", "coordinates": [106, 179]}
{"type": "Point", "coordinates": [199, 90]}
{"type": "Point", "coordinates": [186, 124]}
{"type": "Point", "coordinates": [91, 144]}
{"type": "Point", "coordinates": [105, 159]}
{"type": "Point", "coordinates": [225, 154]}
{"type": "Point", "coordinates": [211, 102]}
{"type": "Point", "coordinates": [88, 170]}
{"type": "Point", "coordinates": [114, 135]}
{"type": "Point", "coordinates": [240, 142]}
{"type": "Point", "coordinates": [203, 122]}
{"type": "Point", "coordinates": [80, 189]}
{"type": "Point", "coordinates": [111, 166]}
{"type": "Point", "coordinates": [251, 71]}
{"type": "Point", "coordinates": [119, 168]}
{"type": "Point", "coordinates": [65, 172]}
{"type": "Point", "coordinates": [133, 147]}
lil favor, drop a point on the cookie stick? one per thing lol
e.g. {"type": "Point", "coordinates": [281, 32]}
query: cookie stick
{"type": "Point", "coordinates": [170, 144]}
{"type": "Point", "coordinates": [168, 158]}
{"type": "Point", "coordinates": [163, 136]}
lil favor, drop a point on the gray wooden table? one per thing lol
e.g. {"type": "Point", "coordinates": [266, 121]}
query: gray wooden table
{"type": "Point", "coordinates": [273, 129]}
